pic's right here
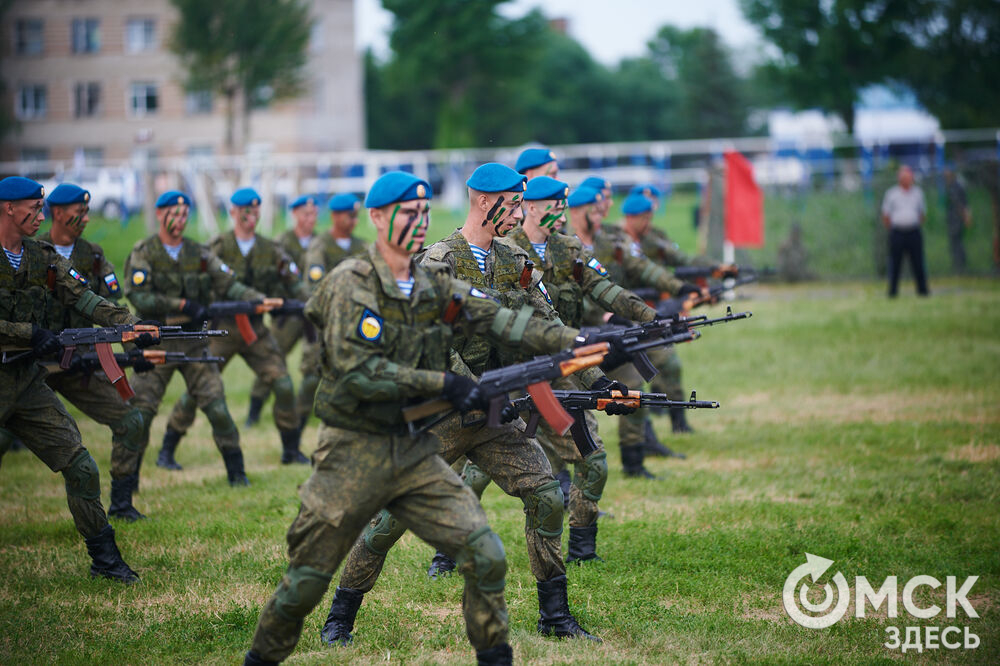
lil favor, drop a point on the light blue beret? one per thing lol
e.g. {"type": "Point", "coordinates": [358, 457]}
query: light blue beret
{"type": "Point", "coordinates": [646, 190]}
{"type": "Point", "coordinates": [496, 177]}
{"type": "Point", "coordinates": [582, 196]}
{"type": "Point", "coordinates": [245, 196]}
{"type": "Point", "coordinates": [16, 188]}
{"type": "Point", "coordinates": [172, 198]}
{"type": "Point", "coordinates": [344, 202]}
{"type": "Point", "coordinates": [532, 158]}
{"type": "Point", "coordinates": [303, 200]}
{"type": "Point", "coordinates": [636, 204]}
{"type": "Point", "coordinates": [544, 188]}
{"type": "Point", "coordinates": [596, 183]}
{"type": "Point", "coordinates": [394, 186]}
{"type": "Point", "coordinates": [66, 194]}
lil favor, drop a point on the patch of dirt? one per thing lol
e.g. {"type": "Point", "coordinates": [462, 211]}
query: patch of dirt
{"type": "Point", "coordinates": [977, 453]}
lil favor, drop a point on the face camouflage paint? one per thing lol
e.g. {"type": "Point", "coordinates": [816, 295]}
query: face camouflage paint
{"type": "Point", "coordinates": [549, 219]}
{"type": "Point", "coordinates": [411, 217]}
{"type": "Point", "coordinates": [425, 223]}
{"type": "Point", "coordinates": [492, 213]}
{"type": "Point", "coordinates": [77, 220]}
{"type": "Point", "coordinates": [392, 218]}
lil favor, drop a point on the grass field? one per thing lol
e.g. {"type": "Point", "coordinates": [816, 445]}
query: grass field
{"type": "Point", "coordinates": [854, 428]}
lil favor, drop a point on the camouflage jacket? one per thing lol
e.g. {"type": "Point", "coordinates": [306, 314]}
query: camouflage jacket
{"type": "Point", "coordinates": [324, 254]}
{"type": "Point", "coordinates": [656, 245]}
{"type": "Point", "coordinates": [289, 242]}
{"type": "Point", "coordinates": [89, 261]}
{"type": "Point", "coordinates": [266, 267]}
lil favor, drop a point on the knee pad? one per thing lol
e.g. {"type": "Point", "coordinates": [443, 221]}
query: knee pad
{"type": "Point", "coordinates": [218, 416]}
{"type": "Point", "coordinates": [299, 592]}
{"type": "Point", "coordinates": [475, 478]}
{"type": "Point", "coordinates": [380, 537]}
{"type": "Point", "coordinates": [284, 389]}
{"type": "Point", "coordinates": [484, 550]}
{"type": "Point", "coordinates": [591, 475]}
{"type": "Point", "coordinates": [186, 402]}
{"type": "Point", "coordinates": [82, 478]}
{"type": "Point", "coordinates": [129, 429]}
{"type": "Point", "coordinates": [544, 508]}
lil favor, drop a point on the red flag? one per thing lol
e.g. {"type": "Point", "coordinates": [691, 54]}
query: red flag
{"type": "Point", "coordinates": [744, 203]}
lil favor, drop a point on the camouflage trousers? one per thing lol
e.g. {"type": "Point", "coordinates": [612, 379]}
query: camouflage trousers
{"type": "Point", "coordinates": [99, 400]}
{"type": "Point", "coordinates": [632, 428]}
{"type": "Point", "coordinates": [267, 363]}
{"type": "Point", "coordinates": [666, 360]}
{"type": "Point", "coordinates": [311, 362]}
{"type": "Point", "coordinates": [286, 331]}
{"type": "Point", "coordinates": [561, 451]}
{"type": "Point", "coordinates": [31, 412]}
{"type": "Point", "coordinates": [355, 475]}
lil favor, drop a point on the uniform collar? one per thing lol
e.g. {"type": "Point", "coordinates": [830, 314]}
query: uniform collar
{"type": "Point", "coordinates": [421, 278]}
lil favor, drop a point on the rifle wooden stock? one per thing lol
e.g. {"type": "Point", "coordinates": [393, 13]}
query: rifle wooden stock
{"type": "Point", "coordinates": [549, 407]}
{"type": "Point", "coordinates": [245, 328]}
{"type": "Point", "coordinates": [425, 409]}
{"type": "Point", "coordinates": [113, 371]}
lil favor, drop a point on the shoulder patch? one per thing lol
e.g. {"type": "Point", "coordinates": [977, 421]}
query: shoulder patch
{"type": "Point", "coordinates": [478, 293]}
{"type": "Point", "coordinates": [293, 268]}
{"type": "Point", "coordinates": [370, 326]}
{"type": "Point", "coordinates": [225, 268]}
{"type": "Point", "coordinates": [111, 280]}
{"type": "Point", "coordinates": [596, 265]}
{"type": "Point", "coordinates": [76, 274]}
{"type": "Point", "coordinates": [138, 277]}
{"type": "Point", "coordinates": [545, 292]}
{"type": "Point", "coordinates": [315, 273]}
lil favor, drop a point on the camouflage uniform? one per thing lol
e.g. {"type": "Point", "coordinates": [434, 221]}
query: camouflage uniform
{"type": "Point", "coordinates": [381, 349]}
{"type": "Point", "coordinates": [158, 286]}
{"type": "Point", "coordinates": [94, 395]}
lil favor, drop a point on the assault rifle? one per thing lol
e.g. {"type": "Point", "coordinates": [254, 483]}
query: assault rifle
{"type": "Point", "coordinates": [89, 363]}
{"type": "Point", "coordinates": [241, 311]}
{"type": "Point", "coordinates": [102, 339]}
{"type": "Point", "coordinates": [692, 273]}
{"type": "Point", "coordinates": [635, 340]}
{"type": "Point", "coordinates": [533, 375]}
{"type": "Point", "coordinates": [575, 402]}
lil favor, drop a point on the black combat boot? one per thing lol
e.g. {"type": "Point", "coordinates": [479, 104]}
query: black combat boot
{"type": "Point", "coordinates": [234, 467]}
{"type": "Point", "coordinates": [340, 621]}
{"type": "Point", "coordinates": [290, 440]}
{"type": "Point", "coordinates": [171, 438]}
{"type": "Point", "coordinates": [254, 659]}
{"type": "Point", "coordinates": [632, 462]}
{"type": "Point", "coordinates": [652, 446]}
{"type": "Point", "coordinates": [678, 419]}
{"type": "Point", "coordinates": [121, 499]}
{"type": "Point", "coordinates": [498, 655]}
{"type": "Point", "coordinates": [564, 482]}
{"type": "Point", "coordinates": [583, 544]}
{"type": "Point", "coordinates": [107, 560]}
{"type": "Point", "coordinates": [441, 565]}
{"type": "Point", "coordinates": [554, 617]}
{"type": "Point", "coordinates": [253, 414]}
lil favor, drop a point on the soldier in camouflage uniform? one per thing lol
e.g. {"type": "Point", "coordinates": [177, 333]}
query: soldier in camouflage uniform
{"type": "Point", "coordinates": [167, 275]}
{"type": "Point", "coordinates": [381, 318]}
{"type": "Point", "coordinates": [94, 395]}
{"type": "Point", "coordinates": [323, 255]}
{"type": "Point", "coordinates": [261, 264]}
{"type": "Point", "coordinates": [534, 162]}
{"type": "Point", "coordinates": [34, 283]}
{"type": "Point", "coordinates": [515, 462]}
{"type": "Point", "coordinates": [287, 329]}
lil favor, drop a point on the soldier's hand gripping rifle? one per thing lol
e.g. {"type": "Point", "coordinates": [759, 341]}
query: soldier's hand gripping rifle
{"type": "Point", "coordinates": [241, 312]}
{"type": "Point", "coordinates": [629, 343]}
{"type": "Point", "coordinates": [670, 307]}
{"type": "Point", "coordinates": [533, 376]}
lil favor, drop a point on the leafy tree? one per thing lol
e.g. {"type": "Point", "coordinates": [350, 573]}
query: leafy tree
{"type": "Point", "coordinates": [247, 51]}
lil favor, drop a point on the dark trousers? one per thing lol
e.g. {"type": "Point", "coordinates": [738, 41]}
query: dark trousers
{"type": "Point", "coordinates": [957, 245]}
{"type": "Point", "coordinates": [909, 242]}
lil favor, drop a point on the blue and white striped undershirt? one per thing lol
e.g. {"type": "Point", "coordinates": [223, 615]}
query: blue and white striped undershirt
{"type": "Point", "coordinates": [246, 245]}
{"type": "Point", "coordinates": [174, 250]}
{"type": "Point", "coordinates": [65, 250]}
{"type": "Point", "coordinates": [14, 259]}
{"type": "Point", "coordinates": [405, 286]}
{"type": "Point", "coordinates": [540, 249]}
{"type": "Point", "coordinates": [480, 254]}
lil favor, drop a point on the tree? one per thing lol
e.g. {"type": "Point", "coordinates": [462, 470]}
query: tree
{"type": "Point", "coordinates": [247, 51]}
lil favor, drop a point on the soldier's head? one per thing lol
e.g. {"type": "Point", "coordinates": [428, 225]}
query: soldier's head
{"type": "Point", "coordinates": [585, 210]}
{"type": "Point", "coordinates": [344, 210]}
{"type": "Point", "coordinates": [172, 209]}
{"type": "Point", "coordinates": [638, 211]}
{"type": "Point", "coordinates": [399, 206]}
{"type": "Point", "coordinates": [604, 187]}
{"type": "Point", "coordinates": [304, 213]}
{"type": "Point", "coordinates": [244, 209]}
{"type": "Point", "coordinates": [905, 177]}
{"type": "Point", "coordinates": [70, 208]}
{"type": "Point", "coordinates": [534, 162]}
{"type": "Point", "coordinates": [545, 205]}
{"type": "Point", "coordinates": [21, 201]}
{"type": "Point", "coordinates": [650, 191]}
{"type": "Point", "coordinates": [496, 194]}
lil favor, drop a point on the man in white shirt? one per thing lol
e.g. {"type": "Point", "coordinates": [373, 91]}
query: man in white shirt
{"type": "Point", "coordinates": [903, 213]}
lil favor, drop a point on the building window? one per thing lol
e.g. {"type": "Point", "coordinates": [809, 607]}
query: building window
{"type": "Point", "coordinates": [29, 39]}
{"type": "Point", "coordinates": [90, 156]}
{"type": "Point", "coordinates": [86, 100]}
{"type": "Point", "coordinates": [198, 101]}
{"type": "Point", "coordinates": [34, 154]}
{"type": "Point", "coordinates": [196, 152]}
{"type": "Point", "coordinates": [143, 99]}
{"type": "Point", "coordinates": [86, 35]}
{"type": "Point", "coordinates": [32, 102]}
{"type": "Point", "coordinates": [140, 35]}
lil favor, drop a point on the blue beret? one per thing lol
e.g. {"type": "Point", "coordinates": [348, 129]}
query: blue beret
{"type": "Point", "coordinates": [544, 188]}
{"type": "Point", "coordinates": [597, 183]}
{"type": "Point", "coordinates": [245, 196]}
{"type": "Point", "coordinates": [534, 157]}
{"type": "Point", "coordinates": [636, 204]}
{"type": "Point", "coordinates": [646, 189]}
{"type": "Point", "coordinates": [67, 193]}
{"type": "Point", "coordinates": [496, 177]}
{"type": "Point", "coordinates": [582, 196]}
{"type": "Point", "coordinates": [344, 202]}
{"type": "Point", "coordinates": [394, 186]}
{"type": "Point", "coordinates": [303, 200]}
{"type": "Point", "coordinates": [17, 188]}
{"type": "Point", "coordinates": [172, 198]}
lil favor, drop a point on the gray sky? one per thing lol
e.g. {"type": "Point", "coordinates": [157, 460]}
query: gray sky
{"type": "Point", "coordinates": [609, 29]}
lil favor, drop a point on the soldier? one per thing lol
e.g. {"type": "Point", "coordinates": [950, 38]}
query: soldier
{"type": "Point", "coordinates": [516, 463]}
{"type": "Point", "coordinates": [287, 329]}
{"type": "Point", "coordinates": [385, 342]}
{"type": "Point", "coordinates": [260, 264]}
{"type": "Point", "coordinates": [534, 162]}
{"type": "Point", "coordinates": [323, 255]}
{"type": "Point", "coordinates": [168, 275]}
{"type": "Point", "coordinates": [34, 282]}
{"type": "Point", "coordinates": [94, 395]}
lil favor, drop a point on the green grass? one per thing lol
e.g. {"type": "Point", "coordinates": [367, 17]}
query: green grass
{"type": "Point", "coordinates": [851, 427]}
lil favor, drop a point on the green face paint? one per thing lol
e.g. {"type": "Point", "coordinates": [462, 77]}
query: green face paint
{"type": "Point", "coordinates": [392, 218]}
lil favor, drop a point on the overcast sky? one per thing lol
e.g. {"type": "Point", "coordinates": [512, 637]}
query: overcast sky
{"type": "Point", "coordinates": [609, 29]}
